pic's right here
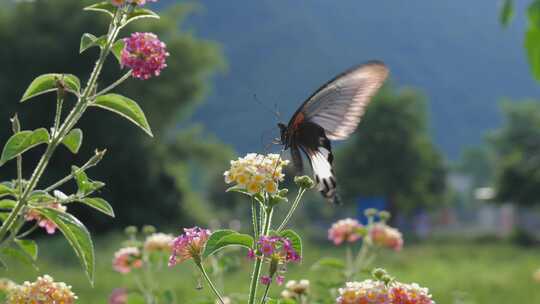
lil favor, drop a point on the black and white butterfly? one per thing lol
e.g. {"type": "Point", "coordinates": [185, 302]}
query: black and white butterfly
{"type": "Point", "coordinates": [331, 113]}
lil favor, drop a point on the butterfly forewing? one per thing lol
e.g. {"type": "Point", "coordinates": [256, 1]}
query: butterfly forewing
{"type": "Point", "coordinates": [338, 106]}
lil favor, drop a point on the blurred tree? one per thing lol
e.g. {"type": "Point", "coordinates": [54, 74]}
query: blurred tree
{"type": "Point", "coordinates": [391, 154]}
{"type": "Point", "coordinates": [43, 36]}
{"type": "Point", "coordinates": [478, 163]}
{"type": "Point", "coordinates": [517, 146]}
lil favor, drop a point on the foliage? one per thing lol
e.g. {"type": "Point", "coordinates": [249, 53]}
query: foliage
{"type": "Point", "coordinates": [479, 164]}
{"type": "Point", "coordinates": [391, 154]}
{"type": "Point", "coordinates": [50, 42]}
{"type": "Point", "coordinates": [517, 148]}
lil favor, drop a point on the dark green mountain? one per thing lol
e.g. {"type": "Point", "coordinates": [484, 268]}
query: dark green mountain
{"type": "Point", "coordinates": [281, 50]}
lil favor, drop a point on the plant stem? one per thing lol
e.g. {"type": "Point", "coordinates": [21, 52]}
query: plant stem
{"type": "Point", "coordinates": [258, 263]}
{"type": "Point", "coordinates": [90, 163]}
{"type": "Point", "coordinates": [263, 299]}
{"type": "Point", "coordinates": [115, 84]}
{"type": "Point", "coordinates": [207, 278]}
{"type": "Point", "coordinates": [58, 135]}
{"type": "Point", "coordinates": [254, 218]}
{"type": "Point", "coordinates": [59, 102]}
{"type": "Point", "coordinates": [293, 208]}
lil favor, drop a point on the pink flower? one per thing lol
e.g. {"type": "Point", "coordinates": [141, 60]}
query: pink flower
{"type": "Point", "coordinates": [145, 54]}
{"type": "Point", "coordinates": [118, 296]}
{"type": "Point", "coordinates": [127, 258]}
{"type": "Point", "coordinates": [377, 292]}
{"type": "Point", "coordinates": [386, 236]}
{"type": "Point", "coordinates": [345, 230]}
{"type": "Point", "coordinates": [189, 245]}
{"type": "Point", "coordinates": [48, 225]}
{"type": "Point", "coordinates": [279, 248]}
{"type": "Point", "coordinates": [251, 254]}
{"type": "Point", "coordinates": [266, 280]}
{"type": "Point", "coordinates": [280, 279]}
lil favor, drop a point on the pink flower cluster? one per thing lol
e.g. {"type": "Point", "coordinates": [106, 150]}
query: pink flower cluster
{"type": "Point", "coordinates": [145, 54]}
{"type": "Point", "coordinates": [134, 2]}
{"type": "Point", "coordinates": [277, 250]}
{"type": "Point", "coordinates": [189, 245]}
{"type": "Point", "coordinates": [126, 259]}
{"type": "Point", "coordinates": [48, 225]}
{"type": "Point", "coordinates": [386, 236]}
{"type": "Point", "coordinates": [377, 292]}
{"type": "Point", "coordinates": [345, 230]}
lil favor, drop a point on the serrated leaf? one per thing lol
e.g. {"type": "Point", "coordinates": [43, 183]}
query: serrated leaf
{"type": "Point", "coordinates": [99, 204]}
{"type": "Point", "coordinates": [49, 83]}
{"type": "Point", "coordinates": [330, 263]}
{"type": "Point", "coordinates": [296, 240]}
{"type": "Point", "coordinates": [507, 12]}
{"type": "Point", "coordinates": [5, 190]}
{"type": "Point", "coordinates": [23, 141]}
{"type": "Point", "coordinates": [73, 140]}
{"type": "Point", "coordinates": [77, 235]}
{"type": "Point", "coordinates": [102, 7]}
{"type": "Point", "coordinates": [126, 108]}
{"type": "Point", "coordinates": [229, 239]}
{"type": "Point", "coordinates": [140, 13]}
{"type": "Point", "coordinates": [214, 238]}
{"type": "Point", "coordinates": [7, 204]}
{"type": "Point", "coordinates": [19, 255]}
{"type": "Point", "coordinates": [28, 246]}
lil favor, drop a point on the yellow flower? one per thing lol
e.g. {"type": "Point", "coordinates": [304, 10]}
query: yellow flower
{"type": "Point", "coordinates": [242, 179]}
{"type": "Point", "coordinates": [271, 187]}
{"type": "Point", "coordinates": [253, 188]}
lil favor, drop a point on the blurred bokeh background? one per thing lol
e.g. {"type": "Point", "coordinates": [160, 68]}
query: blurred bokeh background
{"type": "Point", "coordinates": [451, 145]}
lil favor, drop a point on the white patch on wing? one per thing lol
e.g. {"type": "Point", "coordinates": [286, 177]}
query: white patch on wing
{"type": "Point", "coordinates": [322, 171]}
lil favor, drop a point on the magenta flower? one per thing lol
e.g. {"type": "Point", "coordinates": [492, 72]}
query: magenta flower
{"type": "Point", "coordinates": [345, 230]}
{"type": "Point", "coordinates": [266, 280]}
{"type": "Point", "coordinates": [118, 296]}
{"type": "Point", "coordinates": [280, 279]}
{"type": "Point", "coordinates": [145, 54]}
{"type": "Point", "coordinates": [251, 254]}
{"type": "Point", "coordinates": [189, 245]}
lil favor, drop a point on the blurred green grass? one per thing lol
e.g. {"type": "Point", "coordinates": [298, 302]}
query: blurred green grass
{"type": "Point", "coordinates": [455, 271]}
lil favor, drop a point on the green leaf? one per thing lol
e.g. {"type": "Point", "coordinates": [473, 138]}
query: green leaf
{"type": "Point", "coordinates": [89, 40]}
{"type": "Point", "coordinates": [49, 83]}
{"type": "Point", "coordinates": [99, 204]}
{"type": "Point", "coordinates": [330, 263]}
{"type": "Point", "coordinates": [5, 190]}
{"type": "Point", "coordinates": [296, 240]}
{"type": "Point", "coordinates": [3, 216]}
{"type": "Point", "coordinates": [40, 196]}
{"type": "Point", "coordinates": [125, 107]}
{"type": "Point", "coordinates": [214, 238]}
{"type": "Point", "coordinates": [102, 7]}
{"type": "Point", "coordinates": [532, 45]}
{"type": "Point", "coordinates": [77, 235]}
{"type": "Point", "coordinates": [23, 141]}
{"type": "Point", "coordinates": [507, 12]}
{"type": "Point", "coordinates": [19, 255]}
{"type": "Point", "coordinates": [73, 140]}
{"type": "Point", "coordinates": [7, 204]}
{"type": "Point", "coordinates": [117, 48]}
{"type": "Point", "coordinates": [227, 239]}
{"type": "Point", "coordinates": [28, 246]}
{"type": "Point", "coordinates": [140, 13]}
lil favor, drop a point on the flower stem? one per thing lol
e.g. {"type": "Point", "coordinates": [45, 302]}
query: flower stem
{"type": "Point", "coordinates": [258, 262]}
{"type": "Point", "coordinates": [293, 208]}
{"type": "Point", "coordinates": [263, 299]}
{"type": "Point", "coordinates": [115, 84]}
{"type": "Point", "coordinates": [209, 281]}
{"type": "Point", "coordinates": [255, 218]}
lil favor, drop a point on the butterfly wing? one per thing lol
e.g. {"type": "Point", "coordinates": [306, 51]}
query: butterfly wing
{"type": "Point", "coordinates": [338, 105]}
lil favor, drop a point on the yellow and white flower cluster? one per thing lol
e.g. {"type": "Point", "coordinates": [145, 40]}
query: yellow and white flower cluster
{"type": "Point", "coordinates": [43, 290]}
{"type": "Point", "coordinates": [295, 289]}
{"type": "Point", "coordinates": [377, 292]}
{"type": "Point", "coordinates": [158, 242]}
{"type": "Point", "coordinates": [256, 172]}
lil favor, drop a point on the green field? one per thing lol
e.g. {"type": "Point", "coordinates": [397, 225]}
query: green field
{"type": "Point", "coordinates": [456, 272]}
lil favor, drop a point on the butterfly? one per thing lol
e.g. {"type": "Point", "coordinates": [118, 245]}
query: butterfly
{"type": "Point", "coordinates": [331, 113]}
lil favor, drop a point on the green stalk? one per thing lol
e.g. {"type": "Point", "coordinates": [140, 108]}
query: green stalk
{"type": "Point", "coordinates": [254, 218]}
{"type": "Point", "coordinates": [58, 135]}
{"type": "Point", "coordinates": [293, 208]}
{"type": "Point", "coordinates": [258, 263]}
{"type": "Point", "coordinates": [209, 281]}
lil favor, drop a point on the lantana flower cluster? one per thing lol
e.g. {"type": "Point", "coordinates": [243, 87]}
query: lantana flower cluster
{"type": "Point", "coordinates": [126, 259]}
{"type": "Point", "coordinates": [255, 172]}
{"type": "Point", "coordinates": [278, 251]}
{"type": "Point", "coordinates": [158, 242]}
{"type": "Point", "coordinates": [144, 54]}
{"type": "Point", "coordinates": [189, 245]}
{"type": "Point", "coordinates": [43, 290]}
{"type": "Point", "coordinates": [386, 236]}
{"type": "Point", "coordinates": [377, 292]}
{"type": "Point", "coordinates": [48, 225]}
{"type": "Point", "coordinates": [295, 289]}
{"type": "Point", "coordinates": [346, 230]}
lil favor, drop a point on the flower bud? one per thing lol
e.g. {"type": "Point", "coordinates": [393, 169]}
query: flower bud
{"type": "Point", "coordinates": [384, 215]}
{"type": "Point", "coordinates": [304, 182]}
{"type": "Point", "coordinates": [378, 273]}
{"type": "Point", "coordinates": [98, 156]}
{"type": "Point", "coordinates": [15, 124]}
{"type": "Point", "coordinates": [148, 229]}
{"type": "Point", "coordinates": [370, 212]}
{"type": "Point", "coordinates": [283, 192]}
{"type": "Point", "coordinates": [277, 199]}
{"type": "Point", "coordinates": [130, 230]}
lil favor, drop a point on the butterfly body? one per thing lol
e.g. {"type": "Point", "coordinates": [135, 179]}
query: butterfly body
{"type": "Point", "coordinates": [331, 113]}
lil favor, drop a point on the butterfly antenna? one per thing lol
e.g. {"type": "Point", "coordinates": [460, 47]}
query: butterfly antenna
{"type": "Point", "coordinates": [274, 112]}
